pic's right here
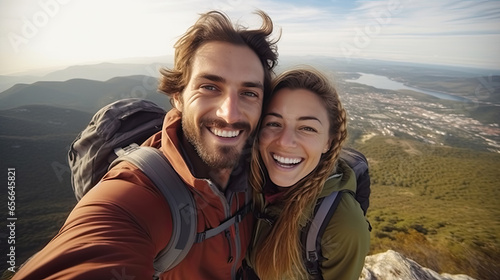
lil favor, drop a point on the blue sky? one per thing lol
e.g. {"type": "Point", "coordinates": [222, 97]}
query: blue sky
{"type": "Point", "coordinates": [36, 34]}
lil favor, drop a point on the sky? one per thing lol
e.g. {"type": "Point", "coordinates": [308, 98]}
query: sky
{"type": "Point", "coordinates": [46, 34]}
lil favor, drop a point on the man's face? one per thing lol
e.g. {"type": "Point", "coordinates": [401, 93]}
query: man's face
{"type": "Point", "coordinates": [222, 102]}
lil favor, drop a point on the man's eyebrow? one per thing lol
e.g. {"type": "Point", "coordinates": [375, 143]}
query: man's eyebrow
{"type": "Point", "coordinates": [303, 118]}
{"type": "Point", "coordinates": [258, 85]}
{"type": "Point", "coordinates": [211, 77]}
{"type": "Point", "coordinates": [216, 78]}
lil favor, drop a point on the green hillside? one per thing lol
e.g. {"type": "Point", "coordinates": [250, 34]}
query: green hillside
{"type": "Point", "coordinates": [33, 120]}
{"type": "Point", "coordinates": [43, 189]}
{"type": "Point", "coordinates": [436, 205]}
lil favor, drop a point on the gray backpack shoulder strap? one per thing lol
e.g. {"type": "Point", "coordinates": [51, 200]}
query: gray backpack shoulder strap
{"type": "Point", "coordinates": [236, 218]}
{"type": "Point", "coordinates": [153, 164]}
{"type": "Point", "coordinates": [314, 232]}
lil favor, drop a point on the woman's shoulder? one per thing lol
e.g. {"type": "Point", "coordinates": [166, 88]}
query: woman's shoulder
{"type": "Point", "coordinates": [348, 220]}
{"type": "Point", "coordinates": [343, 179]}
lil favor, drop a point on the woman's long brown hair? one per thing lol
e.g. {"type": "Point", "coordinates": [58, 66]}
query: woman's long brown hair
{"type": "Point", "coordinates": [279, 256]}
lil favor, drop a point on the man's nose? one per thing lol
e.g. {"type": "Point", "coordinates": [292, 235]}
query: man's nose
{"type": "Point", "coordinates": [229, 109]}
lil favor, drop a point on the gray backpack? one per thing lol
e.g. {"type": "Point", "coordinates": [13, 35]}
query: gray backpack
{"type": "Point", "coordinates": [114, 135]}
{"type": "Point", "coordinates": [325, 208]}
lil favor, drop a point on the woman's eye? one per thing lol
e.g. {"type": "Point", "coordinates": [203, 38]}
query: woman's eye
{"type": "Point", "coordinates": [308, 128]}
{"type": "Point", "coordinates": [273, 124]}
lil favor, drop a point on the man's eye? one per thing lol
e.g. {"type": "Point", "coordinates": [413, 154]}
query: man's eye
{"type": "Point", "coordinates": [250, 94]}
{"type": "Point", "coordinates": [209, 87]}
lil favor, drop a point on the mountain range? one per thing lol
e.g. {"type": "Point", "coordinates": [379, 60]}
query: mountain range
{"type": "Point", "coordinates": [99, 72]}
{"type": "Point", "coordinates": [82, 94]}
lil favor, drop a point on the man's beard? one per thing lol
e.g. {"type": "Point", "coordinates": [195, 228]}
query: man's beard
{"type": "Point", "coordinates": [221, 157]}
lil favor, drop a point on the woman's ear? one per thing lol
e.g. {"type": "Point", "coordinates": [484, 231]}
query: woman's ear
{"type": "Point", "coordinates": [327, 146]}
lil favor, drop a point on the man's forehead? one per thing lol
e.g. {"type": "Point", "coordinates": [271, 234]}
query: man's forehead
{"type": "Point", "coordinates": [227, 59]}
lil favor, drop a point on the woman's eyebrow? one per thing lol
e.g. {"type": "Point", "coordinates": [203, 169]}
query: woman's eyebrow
{"type": "Point", "coordinates": [273, 114]}
{"type": "Point", "coordinates": [303, 118]}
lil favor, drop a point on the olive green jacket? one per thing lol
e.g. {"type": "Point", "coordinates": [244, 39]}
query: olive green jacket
{"type": "Point", "coordinates": [346, 240]}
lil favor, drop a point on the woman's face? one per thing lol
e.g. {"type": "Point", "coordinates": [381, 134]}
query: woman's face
{"type": "Point", "coordinates": [293, 136]}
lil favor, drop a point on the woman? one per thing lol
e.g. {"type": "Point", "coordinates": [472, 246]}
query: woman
{"type": "Point", "coordinates": [301, 135]}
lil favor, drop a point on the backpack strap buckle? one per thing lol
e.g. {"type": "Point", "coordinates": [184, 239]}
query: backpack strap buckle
{"type": "Point", "coordinates": [312, 264]}
{"type": "Point", "coordinates": [126, 150]}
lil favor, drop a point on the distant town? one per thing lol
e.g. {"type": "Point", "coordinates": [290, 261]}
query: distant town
{"type": "Point", "coordinates": [394, 113]}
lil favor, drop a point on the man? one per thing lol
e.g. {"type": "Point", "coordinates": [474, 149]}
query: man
{"type": "Point", "coordinates": [217, 86]}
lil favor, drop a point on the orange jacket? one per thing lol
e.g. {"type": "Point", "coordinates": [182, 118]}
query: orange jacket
{"type": "Point", "coordinates": [120, 225]}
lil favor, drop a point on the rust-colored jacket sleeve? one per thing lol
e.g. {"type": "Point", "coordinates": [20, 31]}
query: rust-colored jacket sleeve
{"type": "Point", "coordinates": [110, 234]}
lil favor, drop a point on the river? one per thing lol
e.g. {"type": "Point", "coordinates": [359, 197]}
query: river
{"type": "Point", "coordinates": [383, 82]}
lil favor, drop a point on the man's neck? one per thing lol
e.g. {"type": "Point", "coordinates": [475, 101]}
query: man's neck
{"type": "Point", "coordinates": [200, 170]}
{"type": "Point", "coordinates": [220, 177]}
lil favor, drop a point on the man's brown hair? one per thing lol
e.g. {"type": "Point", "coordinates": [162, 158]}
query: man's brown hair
{"type": "Point", "coordinates": [216, 26]}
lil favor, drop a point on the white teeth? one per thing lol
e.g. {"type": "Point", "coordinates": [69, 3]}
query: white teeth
{"type": "Point", "coordinates": [225, 133]}
{"type": "Point", "coordinates": [284, 160]}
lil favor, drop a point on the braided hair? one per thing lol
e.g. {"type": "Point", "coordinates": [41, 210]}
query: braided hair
{"type": "Point", "coordinates": [279, 256]}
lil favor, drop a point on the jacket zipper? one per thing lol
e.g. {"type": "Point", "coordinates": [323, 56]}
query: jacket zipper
{"type": "Point", "coordinates": [227, 233]}
{"type": "Point", "coordinates": [237, 241]}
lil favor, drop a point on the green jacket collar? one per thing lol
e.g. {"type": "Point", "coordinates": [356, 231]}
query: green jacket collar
{"type": "Point", "coordinates": [343, 179]}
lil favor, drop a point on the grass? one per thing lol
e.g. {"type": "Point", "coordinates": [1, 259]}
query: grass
{"type": "Point", "coordinates": [43, 193]}
{"type": "Point", "coordinates": [435, 205]}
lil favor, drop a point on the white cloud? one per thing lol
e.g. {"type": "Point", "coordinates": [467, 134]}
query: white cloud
{"type": "Point", "coordinates": [57, 32]}
{"type": "Point", "coordinates": [447, 32]}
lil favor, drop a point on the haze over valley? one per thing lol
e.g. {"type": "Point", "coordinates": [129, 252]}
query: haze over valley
{"type": "Point", "coordinates": [381, 98]}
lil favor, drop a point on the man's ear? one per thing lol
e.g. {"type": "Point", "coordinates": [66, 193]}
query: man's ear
{"type": "Point", "coordinates": [177, 101]}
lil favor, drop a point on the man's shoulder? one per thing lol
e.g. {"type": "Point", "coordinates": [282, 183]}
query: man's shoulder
{"type": "Point", "coordinates": [126, 190]}
{"type": "Point", "coordinates": [126, 171]}
{"type": "Point", "coordinates": [127, 187]}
